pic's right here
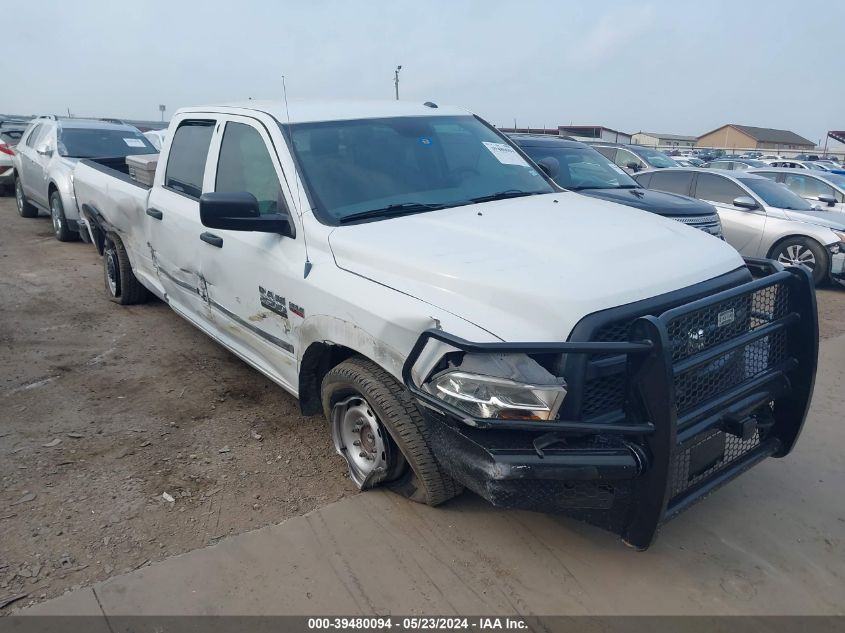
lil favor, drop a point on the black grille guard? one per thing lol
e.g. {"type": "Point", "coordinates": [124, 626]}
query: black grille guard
{"type": "Point", "coordinates": [755, 385]}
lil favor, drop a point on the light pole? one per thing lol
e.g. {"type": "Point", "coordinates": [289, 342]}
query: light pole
{"type": "Point", "coordinates": [396, 80]}
{"type": "Point", "coordinates": [161, 109]}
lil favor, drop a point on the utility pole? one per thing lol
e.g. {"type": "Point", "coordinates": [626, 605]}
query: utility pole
{"type": "Point", "coordinates": [396, 80]}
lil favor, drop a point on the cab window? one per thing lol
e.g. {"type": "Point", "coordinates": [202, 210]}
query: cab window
{"type": "Point", "coordinates": [187, 158]}
{"type": "Point", "coordinates": [625, 159]}
{"type": "Point", "coordinates": [33, 135]}
{"type": "Point", "coordinates": [246, 165]}
{"type": "Point", "coordinates": [807, 186]}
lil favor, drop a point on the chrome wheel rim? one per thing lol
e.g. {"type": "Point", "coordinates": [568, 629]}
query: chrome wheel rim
{"type": "Point", "coordinates": [56, 216]}
{"type": "Point", "coordinates": [360, 439]}
{"type": "Point", "coordinates": [111, 272]}
{"type": "Point", "coordinates": [796, 254]}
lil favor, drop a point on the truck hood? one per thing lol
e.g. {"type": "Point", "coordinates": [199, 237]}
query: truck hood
{"type": "Point", "coordinates": [528, 269]}
{"type": "Point", "coordinates": [670, 204]}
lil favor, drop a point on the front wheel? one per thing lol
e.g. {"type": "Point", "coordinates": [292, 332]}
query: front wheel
{"type": "Point", "coordinates": [803, 250]}
{"type": "Point", "coordinates": [57, 214]}
{"type": "Point", "coordinates": [380, 433]}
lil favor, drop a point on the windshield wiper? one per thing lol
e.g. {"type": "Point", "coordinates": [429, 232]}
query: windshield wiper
{"type": "Point", "coordinates": [585, 187]}
{"type": "Point", "coordinates": [503, 195]}
{"type": "Point", "coordinates": [391, 211]}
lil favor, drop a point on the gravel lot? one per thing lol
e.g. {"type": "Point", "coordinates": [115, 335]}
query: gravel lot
{"type": "Point", "coordinates": [104, 408]}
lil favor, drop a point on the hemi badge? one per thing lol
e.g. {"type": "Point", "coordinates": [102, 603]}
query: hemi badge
{"type": "Point", "coordinates": [725, 317]}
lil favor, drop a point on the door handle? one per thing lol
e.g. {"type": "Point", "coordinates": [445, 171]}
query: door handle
{"type": "Point", "coordinates": [155, 213]}
{"type": "Point", "coordinates": [211, 238]}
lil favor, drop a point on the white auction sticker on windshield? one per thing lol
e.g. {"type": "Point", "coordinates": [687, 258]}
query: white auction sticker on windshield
{"type": "Point", "coordinates": [505, 154]}
{"type": "Point", "coordinates": [134, 142]}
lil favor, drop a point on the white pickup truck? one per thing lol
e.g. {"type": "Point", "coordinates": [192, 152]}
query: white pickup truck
{"type": "Point", "coordinates": [459, 319]}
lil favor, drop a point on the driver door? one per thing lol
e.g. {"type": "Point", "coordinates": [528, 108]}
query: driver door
{"type": "Point", "coordinates": [743, 228]}
{"type": "Point", "coordinates": [255, 280]}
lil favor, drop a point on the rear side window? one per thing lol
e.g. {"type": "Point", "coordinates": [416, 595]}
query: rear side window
{"type": "Point", "coordinates": [187, 158]}
{"type": "Point", "coordinates": [246, 165]}
{"type": "Point", "coordinates": [609, 152]}
{"type": "Point", "coordinates": [715, 188]}
{"type": "Point", "coordinates": [673, 181]}
{"type": "Point", "coordinates": [30, 140]}
{"type": "Point", "coordinates": [644, 180]}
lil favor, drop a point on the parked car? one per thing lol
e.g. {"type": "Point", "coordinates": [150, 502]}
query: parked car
{"type": "Point", "coordinates": [435, 250]}
{"type": "Point", "coordinates": [694, 161]}
{"type": "Point", "coordinates": [156, 137]}
{"type": "Point", "coordinates": [827, 189]}
{"type": "Point", "coordinates": [578, 167]}
{"type": "Point", "coordinates": [10, 135]}
{"type": "Point", "coordinates": [754, 154]}
{"type": "Point", "coordinates": [634, 158]}
{"type": "Point", "coordinates": [47, 154]}
{"type": "Point", "coordinates": [761, 218]}
{"type": "Point", "coordinates": [735, 164]}
{"type": "Point", "coordinates": [792, 163]}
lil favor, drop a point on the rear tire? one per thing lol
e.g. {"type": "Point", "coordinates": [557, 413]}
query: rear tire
{"type": "Point", "coordinates": [804, 250]}
{"type": "Point", "coordinates": [411, 470]}
{"type": "Point", "coordinates": [120, 282]}
{"type": "Point", "coordinates": [25, 209]}
{"type": "Point", "coordinates": [57, 215]}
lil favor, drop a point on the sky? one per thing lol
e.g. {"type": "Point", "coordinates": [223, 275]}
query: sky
{"type": "Point", "coordinates": [668, 66]}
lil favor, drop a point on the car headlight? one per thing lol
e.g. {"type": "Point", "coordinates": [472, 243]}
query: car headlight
{"type": "Point", "coordinates": [841, 236]}
{"type": "Point", "coordinates": [498, 398]}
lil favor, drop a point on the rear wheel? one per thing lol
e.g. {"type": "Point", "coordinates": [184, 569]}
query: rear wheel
{"type": "Point", "coordinates": [803, 250]}
{"type": "Point", "coordinates": [381, 433]}
{"type": "Point", "coordinates": [57, 215]}
{"type": "Point", "coordinates": [25, 209]}
{"type": "Point", "coordinates": [121, 284]}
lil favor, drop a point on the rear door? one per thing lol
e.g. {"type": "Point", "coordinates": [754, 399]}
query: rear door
{"type": "Point", "coordinates": [742, 228]}
{"type": "Point", "coordinates": [26, 151]}
{"type": "Point", "coordinates": [252, 277]}
{"type": "Point", "coordinates": [172, 218]}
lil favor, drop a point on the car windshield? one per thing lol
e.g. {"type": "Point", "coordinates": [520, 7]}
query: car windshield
{"type": "Point", "coordinates": [581, 167]}
{"type": "Point", "coordinates": [655, 158]}
{"type": "Point", "coordinates": [836, 179]}
{"type": "Point", "coordinates": [408, 165]}
{"type": "Point", "coordinates": [102, 143]}
{"type": "Point", "coordinates": [775, 194]}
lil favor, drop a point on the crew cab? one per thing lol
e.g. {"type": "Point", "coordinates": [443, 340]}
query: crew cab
{"type": "Point", "coordinates": [407, 271]}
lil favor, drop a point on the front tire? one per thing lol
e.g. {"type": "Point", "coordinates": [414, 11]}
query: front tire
{"type": "Point", "coordinates": [120, 282]}
{"type": "Point", "coordinates": [803, 250]}
{"type": "Point", "coordinates": [25, 209]}
{"type": "Point", "coordinates": [57, 215]}
{"type": "Point", "coordinates": [381, 433]}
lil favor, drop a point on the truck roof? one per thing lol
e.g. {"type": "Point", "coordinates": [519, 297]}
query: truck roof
{"type": "Point", "coordinates": [315, 111]}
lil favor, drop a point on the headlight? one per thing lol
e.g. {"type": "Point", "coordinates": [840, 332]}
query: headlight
{"type": "Point", "coordinates": [498, 398]}
{"type": "Point", "coordinates": [841, 236]}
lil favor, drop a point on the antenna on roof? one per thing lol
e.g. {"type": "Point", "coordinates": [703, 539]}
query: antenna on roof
{"type": "Point", "coordinates": [308, 263]}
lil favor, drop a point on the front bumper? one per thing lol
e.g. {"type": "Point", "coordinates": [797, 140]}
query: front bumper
{"type": "Point", "coordinates": [698, 410]}
{"type": "Point", "coordinates": [837, 266]}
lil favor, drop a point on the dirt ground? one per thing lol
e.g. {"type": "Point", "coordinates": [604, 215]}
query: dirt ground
{"type": "Point", "coordinates": [104, 408]}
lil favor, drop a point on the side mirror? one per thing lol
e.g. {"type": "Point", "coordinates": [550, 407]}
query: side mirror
{"type": "Point", "coordinates": [238, 211]}
{"type": "Point", "coordinates": [550, 166]}
{"type": "Point", "coordinates": [745, 202]}
{"type": "Point", "coordinates": [828, 199]}
{"type": "Point", "coordinates": [45, 151]}
{"type": "Point", "coordinates": [633, 166]}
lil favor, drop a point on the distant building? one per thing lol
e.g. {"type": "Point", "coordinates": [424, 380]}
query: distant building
{"type": "Point", "coordinates": [664, 140]}
{"type": "Point", "coordinates": [589, 133]}
{"type": "Point", "coordinates": [733, 136]}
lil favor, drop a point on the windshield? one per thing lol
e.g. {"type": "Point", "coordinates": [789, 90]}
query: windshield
{"type": "Point", "coordinates": [655, 158]}
{"type": "Point", "coordinates": [102, 143]}
{"type": "Point", "coordinates": [412, 163]}
{"type": "Point", "coordinates": [775, 194]}
{"type": "Point", "coordinates": [581, 167]}
{"type": "Point", "coordinates": [836, 179]}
